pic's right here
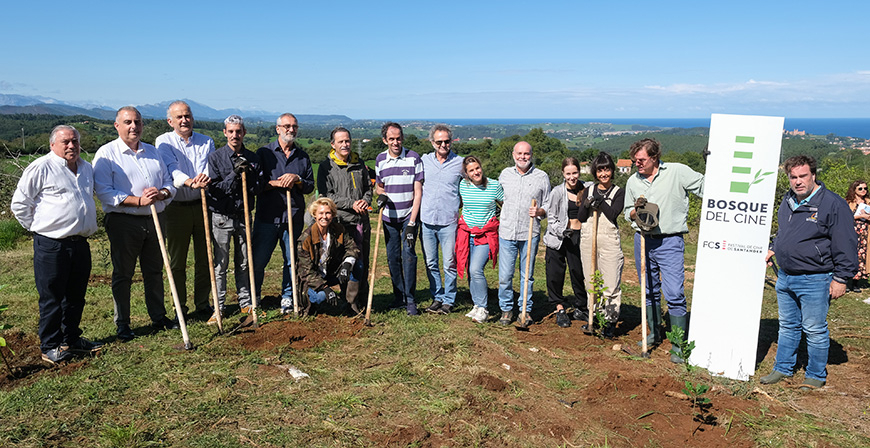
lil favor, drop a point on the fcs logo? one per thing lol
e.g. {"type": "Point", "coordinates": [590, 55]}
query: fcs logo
{"type": "Point", "coordinates": [714, 244]}
{"type": "Point", "coordinates": [745, 156]}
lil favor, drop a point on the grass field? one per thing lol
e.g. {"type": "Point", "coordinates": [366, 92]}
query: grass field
{"type": "Point", "coordinates": [407, 381]}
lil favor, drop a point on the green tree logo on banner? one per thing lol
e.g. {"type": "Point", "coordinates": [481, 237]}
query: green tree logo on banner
{"type": "Point", "coordinates": [743, 186]}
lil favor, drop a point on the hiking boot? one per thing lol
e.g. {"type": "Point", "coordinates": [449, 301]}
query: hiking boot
{"type": "Point", "coordinates": [444, 309]}
{"type": "Point", "coordinates": [525, 323]}
{"type": "Point", "coordinates": [286, 310]}
{"type": "Point", "coordinates": [84, 347]}
{"type": "Point", "coordinates": [562, 319]}
{"type": "Point", "coordinates": [214, 318]}
{"type": "Point", "coordinates": [56, 355]}
{"type": "Point", "coordinates": [435, 307]}
{"type": "Point", "coordinates": [412, 309]}
{"type": "Point", "coordinates": [481, 316]}
{"type": "Point", "coordinates": [811, 384]}
{"type": "Point", "coordinates": [610, 331]}
{"type": "Point", "coordinates": [773, 377]}
{"type": "Point", "coordinates": [580, 315]}
{"type": "Point", "coordinates": [506, 318]}
{"type": "Point", "coordinates": [125, 333]}
{"type": "Point", "coordinates": [166, 323]}
{"type": "Point", "coordinates": [245, 309]}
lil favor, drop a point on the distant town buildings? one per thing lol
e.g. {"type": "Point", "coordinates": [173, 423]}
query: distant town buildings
{"type": "Point", "coordinates": [624, 166]}
{"type": "Point", "coordinates": [794, 132]}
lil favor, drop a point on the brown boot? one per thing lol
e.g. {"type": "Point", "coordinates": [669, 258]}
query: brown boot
{"type": "Point", "coordinates": [351, 293]}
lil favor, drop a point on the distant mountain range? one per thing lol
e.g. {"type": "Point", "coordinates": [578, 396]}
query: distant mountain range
{"type": "Point", "coordinates": [20, 104]}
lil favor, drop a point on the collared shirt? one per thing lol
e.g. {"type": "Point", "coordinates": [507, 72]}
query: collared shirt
{"type": "Point", "coordinates": [185, 160]}
{"type": "Point", "coordinates": [53, 201]}
{"type": "Point", "coordinates": [519, 190]}
{"type": "Point", "coordinates": [669, 189]}
{"type": "Point", "coordinates": [120, 172]}
{"type": "Point", "coordinates": [272, 203]}
{"type": "Point", "coordinates": [794, 203]}
{"type": "Point", "coordinates": [398, 175]}
{"type": "Point", "coordinates": [224, 193]}
{"type": "Point", "coordinates": [440, 203]}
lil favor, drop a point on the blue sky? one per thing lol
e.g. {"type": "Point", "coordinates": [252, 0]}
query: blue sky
{"type": "Point", "coordinates": [447, 59]}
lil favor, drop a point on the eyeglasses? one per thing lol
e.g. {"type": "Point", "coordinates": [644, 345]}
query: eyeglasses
{"type": "Point", "coordinates": [441, 142]}
{"type": "Point", "coordinates": [288, 127]}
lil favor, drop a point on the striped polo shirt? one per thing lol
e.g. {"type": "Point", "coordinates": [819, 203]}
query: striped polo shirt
{"type": "Point", "coordinates": [397, 175]}
{"type": "Point", "coordinates": [478, 203]}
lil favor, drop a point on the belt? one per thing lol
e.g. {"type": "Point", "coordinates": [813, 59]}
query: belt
{"type": "Point", "coordinates": [663, 235]}
{"type": "Point", "coordinates": [69, 239]}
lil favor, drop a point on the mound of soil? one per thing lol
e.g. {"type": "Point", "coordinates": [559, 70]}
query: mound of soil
{"type": "Point", "coordinates": [27, 364]}
{"type": "Point", "coordinates": [298, 334]}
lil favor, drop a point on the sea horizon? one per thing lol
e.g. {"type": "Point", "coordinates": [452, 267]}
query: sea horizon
{"type": "Point", "coordinates": [843, 127]}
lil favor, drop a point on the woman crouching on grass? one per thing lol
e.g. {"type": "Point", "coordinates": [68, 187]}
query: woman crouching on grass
{"type": "Point", "coordinates": [327, 256]}
{"type": "Point", "coordinates": [607, 199]}
{"type": "Point", "coordinates": [563, 243]}
{"type": "Point", "coordinates": [477, 234]}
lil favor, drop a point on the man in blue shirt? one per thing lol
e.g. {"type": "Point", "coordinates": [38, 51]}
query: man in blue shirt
{"type": "Point", "coordinates": [285, 166]}
{"type": "Point", "coordinates": [439, 214]}
{"type": "Point", "coordinates": [813, 269]}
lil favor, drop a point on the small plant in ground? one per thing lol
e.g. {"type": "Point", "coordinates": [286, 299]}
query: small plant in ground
{"type": "Point", "coordinates": [681, 347]}
{"type": "Point", "coordinates": [597, 291]}
{"type": "Point", "coordinates": [696, 392]}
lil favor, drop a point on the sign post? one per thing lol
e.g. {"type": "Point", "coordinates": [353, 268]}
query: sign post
{"type": "Point", "coordinates": [737, 212]}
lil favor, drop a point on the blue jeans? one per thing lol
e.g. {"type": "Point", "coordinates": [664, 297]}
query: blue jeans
{"type": "Point", "coordinates": [508, 250]}
{"type": "Point", "coordinates": [476, 279]}
{"type": "Point", "coordinates": [803, 305]}
{"type": "Point", "coordinates": [402, 261]}
{"type": "Point", "coordinates": [664, 258]}
{"type": "Point", "coordinates": [432, 237]}
{"type": "Point", "coordinates": [266, 236]}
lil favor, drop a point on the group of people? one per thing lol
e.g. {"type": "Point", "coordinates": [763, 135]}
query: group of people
{"type": "Point", "coordinates": [444, 198]}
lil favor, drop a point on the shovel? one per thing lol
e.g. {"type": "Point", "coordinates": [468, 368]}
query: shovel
{"type": "Point", "coordinates": [181, 324]}
{"type": "Point", "coordinates": [214, 291]}
{"type": "Point", "coordinates": [368, 322]}
{"type": "Point", "coordinates": [250, 319]}
{"type": "Point", "coordinates": [523, 321]}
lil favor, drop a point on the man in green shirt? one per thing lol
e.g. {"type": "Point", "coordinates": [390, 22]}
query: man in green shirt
{"type": "Point", "coordinates": [667, 185]}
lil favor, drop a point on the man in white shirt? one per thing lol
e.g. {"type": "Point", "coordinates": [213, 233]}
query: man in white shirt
{"type": "Point", "coordinates": [55, 201]}
{"type": "Point", "coordinates": [130, 177]}
{"type": "Point", "coordinates": [185, 154]}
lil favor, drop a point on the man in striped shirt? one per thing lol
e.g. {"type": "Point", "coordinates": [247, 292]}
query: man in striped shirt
{"type": "Point", "coordinates": [399, 178]}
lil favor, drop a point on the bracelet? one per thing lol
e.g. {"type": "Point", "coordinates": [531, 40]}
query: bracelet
{"type": "Point", "coordinates": [139, 201]}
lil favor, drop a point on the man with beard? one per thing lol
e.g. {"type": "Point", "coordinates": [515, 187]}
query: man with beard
{"type": "Point", "coordinates": [185, 154]}
{"type": "Point", "coordinates": [343, 178]}
{"type": "Point", "coordinates": [439, 217]}
{"type": "Point", "coordinates": [286, 167]}
{"type": "Point", "coordinates": [522, 183]}
{"type": "Point", "coordinates": [130, 178]}
{"type": "Point", "coordinates": [226, 202]}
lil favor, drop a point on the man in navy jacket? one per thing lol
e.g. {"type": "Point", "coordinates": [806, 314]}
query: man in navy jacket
{"type": "Point", "coordinates": [817, 250]}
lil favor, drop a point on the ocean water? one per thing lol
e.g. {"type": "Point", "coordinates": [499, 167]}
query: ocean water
{"type": "Point", "coordinates": [845, 127]}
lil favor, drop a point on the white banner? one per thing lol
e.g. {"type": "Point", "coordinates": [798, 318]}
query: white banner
{"type": "Point", "coordinates": [739, 190]}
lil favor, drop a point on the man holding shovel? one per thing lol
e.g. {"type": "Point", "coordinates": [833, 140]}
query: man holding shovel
{"type": "Point", "coordinates": [523, 183]}
{"type": "Point", "coordinates": [666, 185]}
{"type": "Point", "coordinates": [130, 177]}
{"type": "Point", "coordinates": [226, 202]}
{"type": "Point", "coordinates": [286, 168]}
{"type": "Point", "coordinates": [185, 154]}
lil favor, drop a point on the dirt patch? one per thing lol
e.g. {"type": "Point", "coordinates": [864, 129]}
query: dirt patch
{"type": "Point", "coordinates": [489, 382]}
{"type": "Point", "coordinates": [298, 334]}
{"type": "Point", "coordinates": [27, 364]}
{"type": "Point", "coordinates": [410, 435]}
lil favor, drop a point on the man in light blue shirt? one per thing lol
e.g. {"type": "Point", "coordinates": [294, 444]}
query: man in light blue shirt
{"type": "Point", "coordinates": [439, 214]}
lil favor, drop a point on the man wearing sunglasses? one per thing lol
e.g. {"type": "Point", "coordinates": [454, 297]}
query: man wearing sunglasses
{"type": "Point", "coordinates": [439, 214]}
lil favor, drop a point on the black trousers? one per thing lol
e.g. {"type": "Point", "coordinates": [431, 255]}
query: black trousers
{"type": "Point", "coordinates": [556, 260]}
{"type": "Point", "coordinates": [133, 238]}
{"type": "Point", "coordinates": [61, 269]}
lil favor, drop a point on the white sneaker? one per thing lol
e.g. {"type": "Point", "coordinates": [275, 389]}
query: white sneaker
{"type": "Point", "coordinates": [481, 316]}
{"type": "Point", "coordinates": [472, 312]}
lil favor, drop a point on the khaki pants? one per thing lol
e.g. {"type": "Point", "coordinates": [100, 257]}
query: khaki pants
{"type": "Point", "coordinates": [610, 262]}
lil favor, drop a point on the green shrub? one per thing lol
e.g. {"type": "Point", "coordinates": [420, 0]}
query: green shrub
{"type": "Point", "coordinates": [10, 232]}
